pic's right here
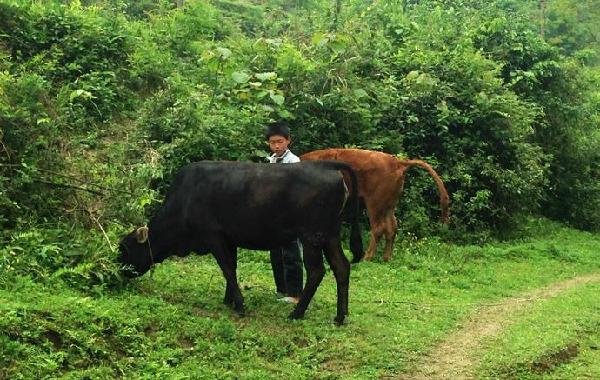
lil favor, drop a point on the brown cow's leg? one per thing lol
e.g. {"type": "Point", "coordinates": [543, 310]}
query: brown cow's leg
{"type": "Point", "coordinates": [315, 270]}
{"type": "Point", "coordinates": [376, 231]}
{"type": "Point", "coordinates": [341, 269]}
{"type": "Point", "coordinates": [391, 226]}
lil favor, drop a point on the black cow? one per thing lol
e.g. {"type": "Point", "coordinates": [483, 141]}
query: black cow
{"type": "Point", "coordinates": [219, 206]}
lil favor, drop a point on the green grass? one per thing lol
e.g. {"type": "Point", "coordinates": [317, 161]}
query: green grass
{"type": "Point", "coordinates": [556, 339]}
{"type": "Point", "coordinates": [172, 324]}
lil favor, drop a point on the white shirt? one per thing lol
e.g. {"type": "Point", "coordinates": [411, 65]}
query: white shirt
{"type": "Point", "coordinates": [286, 158]}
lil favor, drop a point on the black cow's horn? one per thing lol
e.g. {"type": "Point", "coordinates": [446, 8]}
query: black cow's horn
{"type": "Point", "coordinates": [141, 234]}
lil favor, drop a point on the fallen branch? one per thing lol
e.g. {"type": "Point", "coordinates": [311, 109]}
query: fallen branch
{"type": "Point", "coordinates": [102, 229]}
{"type": "Point", "coordinates": [68, 186]}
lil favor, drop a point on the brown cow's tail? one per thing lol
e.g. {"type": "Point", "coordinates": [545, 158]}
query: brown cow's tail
{"type": "Point", "coordinates": [444, 198]}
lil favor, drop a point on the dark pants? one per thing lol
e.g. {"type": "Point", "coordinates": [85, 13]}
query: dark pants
{"type": "Point", "coordinates": [287, 269]}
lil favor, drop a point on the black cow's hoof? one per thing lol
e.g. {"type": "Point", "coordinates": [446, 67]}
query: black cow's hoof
{"type": "Point", "coordinates": [339, 320]}
{"type": "Point", "coordinates": [295, 315]}
{"type": "Point", "coordinates": [240, 310]}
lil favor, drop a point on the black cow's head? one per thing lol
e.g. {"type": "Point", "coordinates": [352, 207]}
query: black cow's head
{"type": "Point", "coordinates": [135, 253]}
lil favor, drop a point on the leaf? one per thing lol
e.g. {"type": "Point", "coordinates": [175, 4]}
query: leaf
{"type": "Point", "coordinates": [224, 53]}
{"type": "Point", "coordinates": [240, 77]}
{"type": "Point", "coordinates": [266, 76]}
{"type": "Point", "coordinates": [207, 55]}
{"type": "Point", "coordinates": [319, 39]}
{"type": "Point", "coordinates": [338, 46]}
{"type": "Point", "coordinates": [243, 95]}
{"type": "Point", "coordinates": [144, 200]}
{"type": "Point", "coordinates": [284, 114]}
{"type": "Point", "coordinates": [360, 93]}
{"type": "Point", "coordinates": [80, 93]}
{"type": "Point", "coordinates": [412, 75]}
{"type": "Point", "coordinates": [261, 94]}
{"type": "Point", "coordinates": [276, 98]}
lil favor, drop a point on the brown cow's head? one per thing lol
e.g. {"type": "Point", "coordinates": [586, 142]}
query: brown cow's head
{"type": "Point", "coordinates": [136, 253]}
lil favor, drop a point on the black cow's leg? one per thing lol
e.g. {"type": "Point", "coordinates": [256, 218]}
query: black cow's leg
{"type": "Point", "coordinates": [229, 291]}
{"type": "Point", "coordinates": [315, 270]}
{"type": "Point", "coordinates": [341, 269]}
{"type": "Point", "coordinates": [227, 260]}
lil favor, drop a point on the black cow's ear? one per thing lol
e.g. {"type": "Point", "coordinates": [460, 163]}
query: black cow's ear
{"type": "Point", "coordinates": [141, 234]}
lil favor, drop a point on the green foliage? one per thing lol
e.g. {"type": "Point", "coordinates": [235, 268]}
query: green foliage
{"type": "Point", "coordinates": [573, 26]}
{"type": "Point", "coordinates": [62, 43]}
{"type": "Point", "coordinates": [59, 256]}
{"type": "Point", "coordinates": [184, 124]}
{"type": "Point", "coordinates": [101, 101]}
{"type": "Point", "coordinates": [448, 105]}
{"type": "Point", "coordinates": [108, 98]}
{"type": "Point", "coordinates": [29, 140]}
{"type": "Point", "coordinates": [564, 90]}
{"type": "Point", "coordinates": [64, 74]}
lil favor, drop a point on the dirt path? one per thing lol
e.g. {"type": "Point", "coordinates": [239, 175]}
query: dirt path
{"type": "Point", "coordinates": [451, 359]}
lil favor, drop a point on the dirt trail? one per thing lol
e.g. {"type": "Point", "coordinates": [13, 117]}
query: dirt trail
{"type": "Point", "coordinates": [451, 359]}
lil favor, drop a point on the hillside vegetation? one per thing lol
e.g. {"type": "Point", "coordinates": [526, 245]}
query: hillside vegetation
{"type": "Point", "coordinates": [102, 101]}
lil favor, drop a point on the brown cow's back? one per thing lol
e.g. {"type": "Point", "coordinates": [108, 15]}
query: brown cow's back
{"type": "Point", "coordinates": [380, 185]}
{"type": "Point", "coordinates": [373, 169]}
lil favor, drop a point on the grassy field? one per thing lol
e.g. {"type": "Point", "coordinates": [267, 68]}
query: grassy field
{"type": "Point", "coordinates": [171, 324]}
{"type": "Point", "coordinates": [557, 339]}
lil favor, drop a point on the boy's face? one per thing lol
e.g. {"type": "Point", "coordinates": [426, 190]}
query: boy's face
{"type": "Point", "coordinates": [279, 144]}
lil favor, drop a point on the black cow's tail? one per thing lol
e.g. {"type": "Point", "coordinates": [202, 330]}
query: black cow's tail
{"type": "Point", "coordinates": [356, 244]}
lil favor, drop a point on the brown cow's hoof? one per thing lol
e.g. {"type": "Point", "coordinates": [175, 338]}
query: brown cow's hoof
{"type": "Point", "coordinates": [339, 320]}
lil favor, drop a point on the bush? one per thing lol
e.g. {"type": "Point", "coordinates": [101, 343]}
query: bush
{"type": "Point", "coordinates": [30, 141]}
{"type": "Point", "coordinates": [77, 258]}
{"type": "Point", "coordinates": [563, 89]}
{"type": "Point", "coordinates": [107, 101]}
{"type": "Point", "coordinates": [184, 124]}
{"type": "Point", "coordinates": [446, 102]}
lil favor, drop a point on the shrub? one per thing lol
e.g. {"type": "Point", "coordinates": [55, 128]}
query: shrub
{"type": "Point", "coordinates": [79, 258]}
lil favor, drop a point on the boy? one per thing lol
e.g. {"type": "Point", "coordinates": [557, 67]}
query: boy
{"type": "Point", "coordinates": [286, 261]}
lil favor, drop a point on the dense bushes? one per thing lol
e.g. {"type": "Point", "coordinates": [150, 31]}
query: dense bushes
{"type": "Point", "coordinates": [452, 106]}
{"type": "Point", "coordinates": [64, 74]}
{"type": "Point", "coordinates": [563, 90]}
{"type": "Point", "coordinates": [183, 123]}
{"type": "Point", "coordinates": [102, 102]}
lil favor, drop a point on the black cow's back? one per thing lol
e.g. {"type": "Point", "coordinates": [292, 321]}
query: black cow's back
{"type": "Point", "coordinates": [257, 206]}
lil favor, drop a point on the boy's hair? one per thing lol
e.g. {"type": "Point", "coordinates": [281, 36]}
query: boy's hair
{"type": "Point", "coordinates": [278, 128]}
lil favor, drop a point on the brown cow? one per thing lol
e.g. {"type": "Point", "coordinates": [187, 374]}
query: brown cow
{"type": "Point", "coordinates": [380, 184]}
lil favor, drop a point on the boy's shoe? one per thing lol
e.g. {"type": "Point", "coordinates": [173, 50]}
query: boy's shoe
{"type": "Point", "coordinates": [288, 299]}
